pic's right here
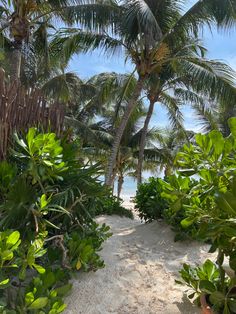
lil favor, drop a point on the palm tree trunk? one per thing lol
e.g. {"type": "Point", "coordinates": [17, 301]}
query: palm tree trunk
{"type": "Point", "coordinates": [120, 184]}
{"type": "Point", "coordinates": [16, 60]}
{"type": "Point", "coordinates": [143, 140]}
{"type": "Point", "coordinates": [119, 133]}
{"type": "Point", "coordinates": [168, 171]}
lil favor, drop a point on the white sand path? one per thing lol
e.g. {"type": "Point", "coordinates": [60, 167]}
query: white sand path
{"type": "Point", "coordinates": [142, 262]}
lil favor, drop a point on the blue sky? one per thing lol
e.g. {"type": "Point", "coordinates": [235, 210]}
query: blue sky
{"type": "Point", "coordinates": [221, 46]}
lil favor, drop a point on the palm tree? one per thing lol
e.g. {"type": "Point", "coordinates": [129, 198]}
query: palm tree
{"type": "Point", "coordinates": [101, 96]}
{"type": "Point", "coordinates": [154, 34]}
{"type": "Point", "coordinates": [20, 19]}
{"type": "Point", "coordinates": [171, 89]}
{"type": "Point", "coordinates": [167, 145]}
{"type": "Point", "coordinates": [214, 117]}
{"type": "Point", "coordinates": [127, 157]}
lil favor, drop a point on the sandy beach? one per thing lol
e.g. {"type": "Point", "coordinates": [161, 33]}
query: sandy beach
{"type": "Point", "coordinates": [142, 263]}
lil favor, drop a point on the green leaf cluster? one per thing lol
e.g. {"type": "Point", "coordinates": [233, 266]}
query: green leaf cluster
{"type": "Point", "coordinates": [206, 279]}
{"type": "Point", "coordinates": [49, 197]}
{"type": "Point", "coordinates": [205, 189]}
{"type": "Point", "coordinates": [148, 200]}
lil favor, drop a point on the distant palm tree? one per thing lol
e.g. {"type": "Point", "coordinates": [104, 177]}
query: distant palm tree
{"type": "Point", "coordinates": [154, 35]}
{"type": "Point", "coordinates": [167, 145]}
{"type": "Point", "coordinates": [127, 157]}
{"type": "Point", "coordinates": [214, 117]}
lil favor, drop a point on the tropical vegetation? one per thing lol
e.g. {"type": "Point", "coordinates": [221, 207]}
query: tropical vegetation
{"type": "Point", "coordinates": [67, 143]}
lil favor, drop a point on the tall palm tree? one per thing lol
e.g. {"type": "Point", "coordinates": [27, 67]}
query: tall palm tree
{"type": "Point", "coordinates": [127, 157]}
{"type": "Point", "coordinates": [19, 19]}
{"type": "Point", "coordinates": [152, 33]}
{"type": "Point", "coordinates": [171, 89]}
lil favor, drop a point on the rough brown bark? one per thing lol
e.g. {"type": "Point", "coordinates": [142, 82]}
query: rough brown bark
{"type": "Point", "coordinates": [16, 61]}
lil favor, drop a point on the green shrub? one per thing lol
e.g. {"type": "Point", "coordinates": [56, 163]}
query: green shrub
{"type": "Point", "coordinates": [182, 187]}
{"type": "Point", "coordinates": [148, 200]}
{"type": "Point", "coordinates": [209, 204]}
{"type": "Point", "coordinates": [26, 286]}
{"type": "Point", "coordinates": [111, 205]}
{"type": "Point", "coordinates": [206, 280]}
{"type": "Point", "coordinates": [49, 197]}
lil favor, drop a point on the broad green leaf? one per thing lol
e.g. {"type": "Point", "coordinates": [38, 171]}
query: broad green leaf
{"type": "Point", "coordinates": [207, 286]}
{"type": "Point", "coordinates": [4, 282]}
{"type": "Point", "coordinates": [30, 138]}
{"type": "Point", "coordinates": [43, 201]}
{"type": "Point", "coordinates": [61, 308]}
{"type": "Point", "coordinates": [39, 268]}
{"type": "Point", "coordinates": [29, 298]}
{"type": "Point", "coordinates": [209, 269]}
{"type": "Point", "coordinates": [63, 290]}
{"type": "Point", "coordinates": [78, 264]}
{"type": "Point", "coordinates": [53, 293]}
{"type": "Point", "coordinates": [187, 222]}
{"type": "Point", "coordinates": [217, 298]}
{"type": "Point", "coordinates": [7, 255]}
{"type": "Point", "coordinates": [38, 304]}
{"type": "Point", "coordinates": [187, 172]}
{"type": "Point", "coordinates": [223, 201]}
{"type": "Point", "coordinates": [232, 126]}
{"type": "Point", "coordinates": [218, 143]}
{"type": "Point", "coordinates": [13, 238]}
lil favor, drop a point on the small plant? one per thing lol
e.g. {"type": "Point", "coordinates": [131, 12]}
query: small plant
{"type": "Point", "coordinates": [149, 202]}
{"type": "Point", "coordinates": [206, 280]}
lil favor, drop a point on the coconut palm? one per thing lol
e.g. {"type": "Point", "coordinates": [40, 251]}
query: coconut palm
{"type": "Point", "coordinates": [94, 99]}
{"type": "Point", "coordinates": [20, 19]}
{"type": "Point", "coordinates": [171, 90]}
{"type": "Point", "coordinates": [155, 34]}
{"type": "Point", "coordinates": [214, 117]}
{"type": "Point", "coordinates": [168, 143]}
{"type": "Point", "coordinates": [127, 157]}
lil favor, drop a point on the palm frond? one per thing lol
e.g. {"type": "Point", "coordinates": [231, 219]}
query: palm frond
{"type": "Point", "coordinates": [207, 117]}
{"type": "Point", "coordinates": [68, 42]}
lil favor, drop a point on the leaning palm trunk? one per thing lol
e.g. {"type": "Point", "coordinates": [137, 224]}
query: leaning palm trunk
{"type": "Point", "coordinates": [143, 140]}
{"type": "Point", "coordinates": [119, 133]}
{"type": "Point", "coordinates": [120, 185]}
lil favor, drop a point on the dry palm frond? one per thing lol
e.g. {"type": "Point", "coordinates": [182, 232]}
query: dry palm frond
{"type": "Point", "coordinates": [21, 108]}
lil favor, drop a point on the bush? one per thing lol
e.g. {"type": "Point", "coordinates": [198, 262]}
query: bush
{"type": "Point", "coordinates": [48, 201]}
{"type": "Point", "coordinates": [148, 200]}
{"type": "Point", "coordinates": [112, 206]}
{"type": "Point", "coordinates": [182, 187]}
{"type": "Point", "coordinates": [209, 204]}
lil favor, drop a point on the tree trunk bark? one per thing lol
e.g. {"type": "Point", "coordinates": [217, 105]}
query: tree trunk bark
{"type": "Point", "coordinates": [120, 185]}
{"type": "Point", "coordinates": [119, 133]}
{"type": "Point", "coordinates": [16, 61]}
{"type": "Point", "coordinates": [143, 141]}
{"type": "Point", "coordinates": [168, 171]}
